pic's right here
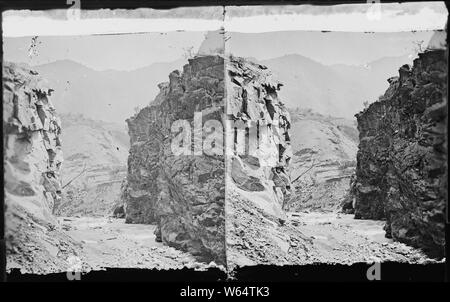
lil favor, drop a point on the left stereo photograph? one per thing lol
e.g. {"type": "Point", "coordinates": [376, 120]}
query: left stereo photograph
{"type": "Point", "coordinates": [105, 161]}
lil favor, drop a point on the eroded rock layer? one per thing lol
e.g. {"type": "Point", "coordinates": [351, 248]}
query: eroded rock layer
{"type": "Point", "coordinates": [401, 161]}
{"type": "Point", "coordinates": [324, 159]}
{"type": "Point", "coordinates": [182, 192]}
{"type": "Point", "coordinates": [258, 142]}
{"type": "Point", "coordinates": [258, 153]}
{"type": "Point", "coordinates": [31, 134]}
{"type": "Point", "coordinates": [95, 156]}
{"type": "Point", "coordinates": [32, 158]}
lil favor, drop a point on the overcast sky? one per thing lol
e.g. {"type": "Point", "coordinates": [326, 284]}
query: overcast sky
{"type": "Point", "coordinates": [131, 51]}
{"type": "Point", "coordinates": [387, 17]}
{"type": "Point", "coordinates": [378, 17]}
{"type": "Point", "coordinates": [350, 48]}
{"type": "Point", "coordinates": [100, 52]}
{"type": "Point", "coordinates": [264, 32]}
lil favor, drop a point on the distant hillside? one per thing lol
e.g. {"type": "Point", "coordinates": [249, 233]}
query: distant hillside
{"type": "Point", "coordinates": [324, 158]}
{"type": "Point", "coordinates": [104, 95]}
{"type": "Point", "coordinates": [338, 90]}
{"type": "Point", "coordinates": [95, 162]}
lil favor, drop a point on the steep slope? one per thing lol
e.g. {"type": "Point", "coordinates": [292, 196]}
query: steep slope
{"type": "Point", "coordinates": [258, 155]}
{"type": "Point", "coordinates": [32, 161]}
{"type": "Point", "coordinates": [94, 167]}
{"type": "Point", "coordinates": [324, 159]}
{"type": "Point", "coordinates": [402, 162]}
{"type": "Point", "coordinates": [337, 90]}
{"type": "Point", "coordinates": [103, 95]}
{"type": "Point", "coordinates": [181, 192]}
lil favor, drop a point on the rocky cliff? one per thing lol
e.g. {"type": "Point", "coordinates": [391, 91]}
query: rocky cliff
{"type": "Point", "coordinates": [401, 161]}
{"type": "Point", "coordinates": [182, 192]}
{"type": "Point", "coordinates": [258, 144]}
{"type": "Point", "coordinates": [185, 193]}
{"type": "Point", "coordinates": [32, 160]}
{"type": "Point", "coordinates": [31, 136]}
{"type": "Point", "coordinates": [258, 154]}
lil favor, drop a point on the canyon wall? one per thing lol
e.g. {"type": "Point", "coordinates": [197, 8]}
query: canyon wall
{"type": "Point", "coordinates": [402, 156]}
{"type": "Point", "coordinates": [31, 143]}
{"type": "Point", "coordinates": [258, 154]}
{"type": "Point", "coordinates": [32, 158]}
{"type": "Point", "coordinates": [182, 193]}
{"type": "Point", "coordinates": [258, 145]}
{"type": "Point", "coordinates": [185, 193]}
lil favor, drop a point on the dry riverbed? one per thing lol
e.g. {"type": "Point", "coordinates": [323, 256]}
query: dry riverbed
{"type": "Point", "coordinates": [340, 238]}
{"type": "Point", "coordinates": [305, 238]}
{"type": "Point", "coordinates": [108, 242]}
{"type": "Point", "coordinates": [255, 238]}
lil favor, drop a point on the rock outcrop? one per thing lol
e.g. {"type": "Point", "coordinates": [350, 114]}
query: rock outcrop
{"type": "Point", "coordinates": [258, 145]}
{"type": "Point", "coordinates": [402, 161]}
{"type": "Point", "coordinates": [32, 159]}
{"type": "Point", "coordinates": [32, 145]}
{"type": "Point", "coordinates": [184, 189]}
{"type": "Point", "coordinates": [258, 153]}
{"type": "Point", "coordinates": [182, 192]}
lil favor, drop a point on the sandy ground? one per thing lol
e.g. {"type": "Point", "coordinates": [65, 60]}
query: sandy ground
{"type": "Point", "coordinates": [342, 238]}
{"type": "Point", "coordinates": [108, 242]}
{"type": "Point", "coordinates": [255, 238]}
{"type": "Point", "coordinates": [304, 238]}
{"type": "Point", "coordinates": [371, 230]}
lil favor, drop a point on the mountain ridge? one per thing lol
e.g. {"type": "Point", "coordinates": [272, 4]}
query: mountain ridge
{"type": "Point", "coordinates": [100, 94]}
{"type": "Point", "coordinates": [348, 86]}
